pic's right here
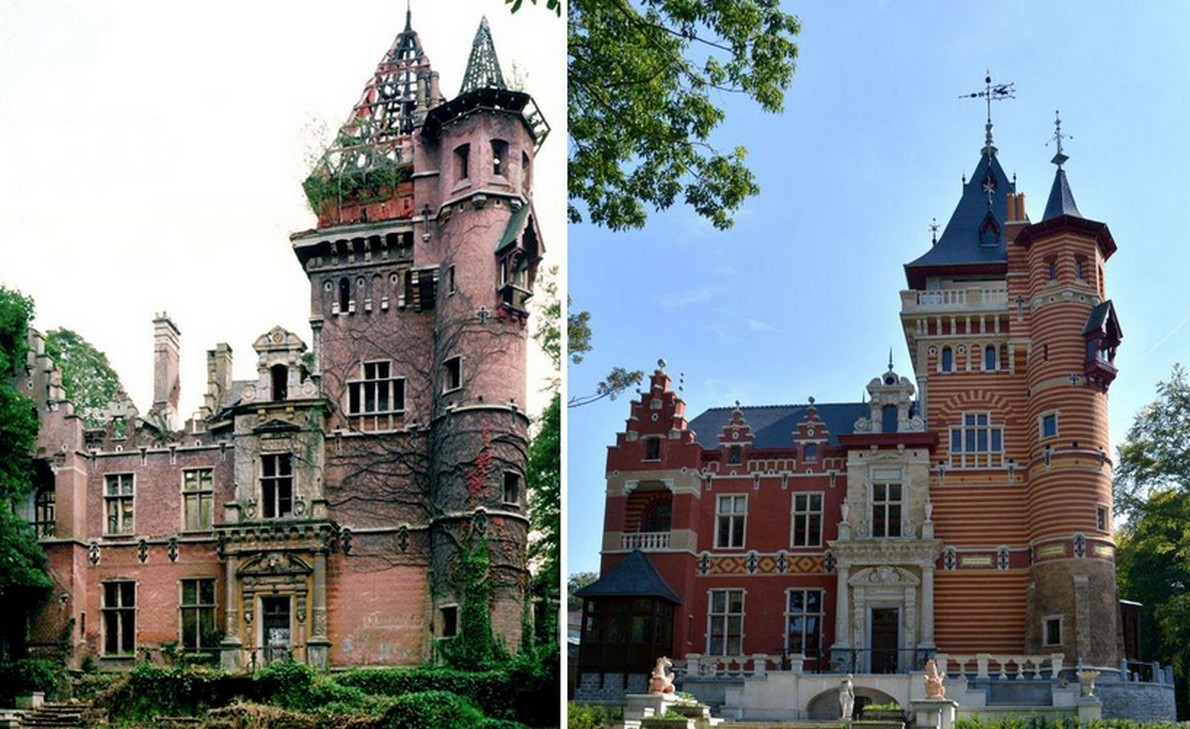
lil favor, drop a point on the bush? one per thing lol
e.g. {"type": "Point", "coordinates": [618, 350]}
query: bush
{"type": "Point", "coordinates": [21, 677]}
{"type": "Point", "coordinates": [432, 710]}
{"type": "Point", "coordinates": [587, 716]}
{"type": "Point", "coordinates": [297, 687]}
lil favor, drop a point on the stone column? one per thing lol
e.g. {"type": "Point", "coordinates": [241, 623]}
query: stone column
{"type": "Point", "coordinates": [318, 646]}
{"type": "Point", "coordinates": [841, 649]}
{"type": "Point", "coordinates": [231, 653]}
{"type": "Point", "coordinates": [927, 607]}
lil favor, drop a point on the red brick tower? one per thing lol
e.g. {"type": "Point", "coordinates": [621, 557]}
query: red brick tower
{"type": "Point", "coordinates": [421, 266]}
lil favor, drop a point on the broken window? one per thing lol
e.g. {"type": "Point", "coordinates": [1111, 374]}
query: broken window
{"type": "Point", "coordinates": [453, 374]}
{"type": "Point", "coordinates": [276, 485]}
{"type": "Point", "coordinates": [198, 615]}
{"type": "Point", "coordinates": [119, 498]}
{"type": "Point", "coordinates": [198, 499]}
{"type": "Point", "coordinates": [499, 157]}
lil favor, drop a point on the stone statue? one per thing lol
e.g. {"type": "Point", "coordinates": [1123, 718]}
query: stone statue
{"type": "Point", "coordinates": [934, 687]}
{"type": "Point", "coordinates": [660, 681]}
{"type": "Point", "coordinates": [846, 699]}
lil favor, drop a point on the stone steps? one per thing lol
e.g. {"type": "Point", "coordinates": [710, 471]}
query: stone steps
{"type": "Point", "coordinates": [56, 716]}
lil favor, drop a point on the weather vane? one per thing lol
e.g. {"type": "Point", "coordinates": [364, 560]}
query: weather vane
{"type": "Point", "coordinates": [1059, 158]}
{"type": "Point", "coordinates": [933, 231]}
{"type": "Point", "coordinates": [992, 92]}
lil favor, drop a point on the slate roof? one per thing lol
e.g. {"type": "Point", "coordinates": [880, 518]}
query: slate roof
{"type": "Point", "coordinates": [1099, 317]}
{"type": "Point", "coordinates": [1061, 200]}
{"type": "Point", "coordinates": [773, 426]}
{"type": "Point", "coordinates": [633, 576]}
{"type": "Point", "coordinates": [960, 243]}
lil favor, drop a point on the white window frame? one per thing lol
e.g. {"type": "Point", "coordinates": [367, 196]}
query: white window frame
{"type": "Point", "coordinates": [820, 615]}
{"type": "Point", "coordinates": [969, 433]}
{"type": "Point", "coordinates": [808, 513]}
{"type": "Point", "coordinates": [1041, 434]}
{"type": "Point", "coordinates": [888, 523]}
{"type": "Point", "coordinates": [726, 617]}
{"type": "Point", "coordinates": [737, 523]}
{"type": "Point", "coordinates": [125, 518]}
{"type": "Point", "coordinates": [194, 498]}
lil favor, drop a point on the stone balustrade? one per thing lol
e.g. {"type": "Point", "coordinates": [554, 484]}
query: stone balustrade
{"type": "Point", "coordinates": [757, 664]}
{"type": "Point", "coordinates": [954, 299]}
{"type": "Point", "coordinates": [645, 541]}
{"type": "Point", "coordinates": [987, 665]}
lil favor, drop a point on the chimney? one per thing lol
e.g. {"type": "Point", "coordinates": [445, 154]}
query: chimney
{"type": "Point", "coordinates": [218, 377]}
{"type": "Point", "coordinates": [166, 382]}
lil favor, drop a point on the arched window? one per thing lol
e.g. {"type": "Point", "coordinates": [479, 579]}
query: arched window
{"type": "Point", "coordinates": [989, 357]}
{"type": "Point", "coordinates": [1053, 268]}
{"type": "Point", "coordinates": [947, 359]}
{"type": "Point", "coordinates": [499, 158]}
{"type": "Point", "coordinates": [462, 161]}
{"type": "Point", "coordinates": [280, 375]}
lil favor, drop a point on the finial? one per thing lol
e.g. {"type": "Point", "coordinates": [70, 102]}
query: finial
{"type": "Point", "coordinates": [811, 399]}
{"type": "Point", "coordinates": [890, 367]}
{"type": "Point", "coordinates": [408, 16]}
{"type": "Point", "coordinates": [661, 364]}
{"type": "Point", "coordinates": [933, 231]}
{"type": "Point", "coordinates": [1059, 158]}
{"type": "Point", "coordinates": [737, 404]}
{"type": "Point", "coordinates": [992, 92]}
{"type": "Point", "coordinates": [681, 382]}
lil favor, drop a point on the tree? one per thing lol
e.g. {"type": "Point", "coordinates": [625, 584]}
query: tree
{"type": "Point", "coordinates": [1152, 488]}
{"type": "Point", "coordinates": [544, 479]}
{"type": "Point", "coordinates": [23, 582]}
{"type": "Point", "coordinates": [87, 377]}
{"type": "Point", "coordinates": [641, 116]}
{"type": "Point", "coordinates": [578, 336]}
{"type": "Point", "coordinates": [577, 581]}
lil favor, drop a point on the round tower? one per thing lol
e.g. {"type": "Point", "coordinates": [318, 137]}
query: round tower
{"type": "Point", "coordinates": [1072, 602]}
{"type": "Point", "coordinates": [480, 240]}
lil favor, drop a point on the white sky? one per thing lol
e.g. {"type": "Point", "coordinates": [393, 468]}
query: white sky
{"type": "Point", "coordinates": [151, 157]}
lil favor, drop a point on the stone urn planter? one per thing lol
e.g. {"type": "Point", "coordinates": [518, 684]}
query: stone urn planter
{"type": "Point", "coordinates": [867, 714]}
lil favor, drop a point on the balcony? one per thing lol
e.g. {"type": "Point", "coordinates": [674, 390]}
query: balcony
{"type": "Point", "coordinates": [980, 298]}
{"type": "Point", "coordinates": [645, 541]}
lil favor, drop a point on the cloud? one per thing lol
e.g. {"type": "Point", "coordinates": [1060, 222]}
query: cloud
{"type": "Point", "coordinates": [688, 298]}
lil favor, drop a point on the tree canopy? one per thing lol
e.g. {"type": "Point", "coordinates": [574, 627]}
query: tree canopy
{"type": "Point", "coordinates": [87, 377]}
{"type": "Point", "coordinates": [641, 114]}
{"type": "Point", "coordinates": [1152, 489]}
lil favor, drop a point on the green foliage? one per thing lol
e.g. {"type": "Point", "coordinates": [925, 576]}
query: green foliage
{"type": "Point", "coordinates": [578, 340]}
{"type": "Point", "coordinates": [297, 687]}
{"type": "Point", "coordinates": [577, 581]}
{"type": "Point", "coordinates": [641, 113]}
{"type": "Point", "coordinates": [21, 677]}
{"type": "Point", "coordinates": [1039, 721]}
{"type": "Point", "coordinates": [1155, 454]}
{"type": "Point", "coordinates": [432, 710]}
{"type": "Point", "coordinates": [87, 377]}
{"type": "Point", "coordinates": [148, 691]}
{"type": "Point", "coordinates": [544, 480]}
{"type": "Point", "coordinates": [549, 334]}
{"type": "Point", "coordinates": [366, 184]}
{"type": "Point", "coordinates": [475, 647]}
{"type": "Point", "coordinates": [555, 5]}
{"type": "Point", "coordinates": [588, 716]}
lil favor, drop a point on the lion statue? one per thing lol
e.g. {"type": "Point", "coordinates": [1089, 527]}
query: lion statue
{"type": "Point", "coordinates": [933, 679]}
{"type": "Point", "coordinates": [661, 681]}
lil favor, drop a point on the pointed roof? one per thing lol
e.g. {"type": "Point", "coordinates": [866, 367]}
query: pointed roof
{"type": "Point", "coordinates": [385, 113]}
{"type": "Point", "coordinates": [633, 576]}
{"type": "Point", "coordinates": [483, 68]}
{"type": "Point", "coordinates": [1061, 200]}
{"type": "Point", "coordinates": [772, 426]}
{"type": "Point", "coordinates": [974, 237]}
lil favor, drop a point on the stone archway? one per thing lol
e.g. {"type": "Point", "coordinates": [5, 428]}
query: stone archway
{"type": "Point", "coordinates": [825, 706]}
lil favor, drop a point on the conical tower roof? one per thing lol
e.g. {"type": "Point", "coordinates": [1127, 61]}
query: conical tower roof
{"type": "Point", "coordinates": [483, 68]}
{"type": "Point", "coordinates": [1061, 200]}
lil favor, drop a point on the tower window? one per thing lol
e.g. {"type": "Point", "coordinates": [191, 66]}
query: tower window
{"type": "Point", "coordinates": [453, 374]}
{"type": "Point", "coordinates": [1101, 518]}
{"type": "Point", "coordinates": [276, 485]}
{"type": "Point", "coordinates": [990, 358]}
{"type": "Point", "coordinates": [512, 487]}
{"type": "Point", "coordinates": [499, 157]}
{"type": "Point", "coordinates": [652, 449]}
{"type": "Point", "coordinates": [344, 295]}
{"type": "Point", "coordinates": [43, 512]}
{"type": "Point", "coordinates": [1052, 264]}
{"type": "Point", "coordinates": [450, 620]}
{"type": "Point", "coordinates": [462, 161]}
{"type": "Point", "coordinates": [280, 378]}
{"type": "Point", "coordinates": [1078, 267]}
{"type": "Point", "coordinates": [947, 359]}
{"type": "Point", "coordinates": [1051, 631]}
{"type": "Point", "coordinates": [1049, 425]}
{"type": "Point", "coordinates": [526, 170]}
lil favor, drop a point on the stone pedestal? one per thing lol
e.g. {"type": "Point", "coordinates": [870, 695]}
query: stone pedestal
{"type": "Point", "coordinates": [934, 713]}
{"type": "Point", "coordinates": [643, 706]}
{"type": "Point", "coordinates": [231, 656]}
{"type": "Point", "coordinates": [1089, 709]}
{"type": "Point", "coordinates": [318, 653]}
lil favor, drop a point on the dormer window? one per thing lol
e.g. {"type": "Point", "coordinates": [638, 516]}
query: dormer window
{"type": "Point", "coordinates": [735, 456]}
{"type": "Point", "coordinates": [810, 452]}
{"type": "Point", "coordinates": [653, 449]}
{"type": "Point", "coordinates": [280, 381]}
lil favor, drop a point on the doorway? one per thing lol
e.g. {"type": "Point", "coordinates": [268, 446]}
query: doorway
{"type": "Point", "coordinates": [886, 625]}
{"type": "Point", "coordinates": [276, 636]}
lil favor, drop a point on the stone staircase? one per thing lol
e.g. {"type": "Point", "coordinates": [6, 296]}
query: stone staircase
{"type": "Point", "coordinates": [803, 724]}
{"type": "Point", "coordinates": [68, 715]}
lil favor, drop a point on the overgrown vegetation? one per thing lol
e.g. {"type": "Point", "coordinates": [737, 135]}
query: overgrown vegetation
{"type": "Point", "coordinates": [362, 184]}
{"type": "Point", "coordinates": [1038, 721]}
{"type": "Point", "coordinates": [588, 716]}
{"type": "Point", "coordinates": [88, 379]}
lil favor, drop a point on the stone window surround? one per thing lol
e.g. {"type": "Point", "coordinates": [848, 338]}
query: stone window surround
{"type": "Point", "coordinates": [1046, 622]}
{"type": "Point", "coordinates": [1042, 421]}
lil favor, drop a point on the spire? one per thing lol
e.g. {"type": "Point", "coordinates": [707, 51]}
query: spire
{"type": "Point", "coordinates": [483, 68]}
{"type": "Point", "coordinates": [1061, 199]}
{"type": "Point", "coordinates": [992, 92]}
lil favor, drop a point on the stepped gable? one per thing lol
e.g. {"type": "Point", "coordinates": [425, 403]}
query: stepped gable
{"type": "Point", "coordinates": [772, 426]}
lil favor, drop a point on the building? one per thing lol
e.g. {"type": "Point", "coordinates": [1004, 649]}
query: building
{"type": "Point", "coordinates": [320, 509]}
{"type": "Point", "coordinates": [961, 512]}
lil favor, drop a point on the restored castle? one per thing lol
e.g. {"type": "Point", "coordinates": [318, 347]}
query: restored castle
{"type": "Point", "coordinates": [321, 509]}
{"type": "Point", "coordinates": [962, 512]}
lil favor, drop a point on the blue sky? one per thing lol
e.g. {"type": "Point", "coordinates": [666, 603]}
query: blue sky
{"type": "Point", "coordinates": [800, 298]}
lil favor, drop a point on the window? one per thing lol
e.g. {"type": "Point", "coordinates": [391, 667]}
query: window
{"type": "Point", "coordinates": [888, 419]}
{"type": "Point", "coordinates": [118, 499]}
{"type": "Point", "coordinates": [450, 620]}
{"type": "Point", "coordinates": [976, 443]}
{"type": "Point", "coordinates": [512, 487]}
{"type": "Point", "coordinates": [803, 619]}
{"type": "Point", "coordinates": [990, 358]}
{"type": "Point", "coordinates": [462, 161]}
{"type": "Point", "coordinates": [526, 171]}
{"type": "Point", "coordinates": [198, 499]}
{"type": "Point", "coordinates": [947, 359]}
{"type": "Point", "coordinates": [344, 295]}
{"type": "Point", "coordinates": [652, 449]}
{"type": "Point", "coordinates": [453, 374]}
{"type": "Point", "coordinates": [1053, 268]}
{"type": "Point", "coordinates": [499, 157]}
{"type": "Point", "coordinates": [886, 510]}
{"type": "Point", "coordinates": [279, 375]}
{"type": "Point", "coordinates": [807, 520]}
{"type": "Point", "coordinates": [119, 618]}
{"type": "Point", "coordinates": [198, 615]}
{"type": "Point", "coordinates": [450, 280]}
{"type": "Point", "coordinates": [43, 513]}
{"type": "Point", "coordinates": [810, 452]}
{"type": "Point", "coordinates": [1078, 267]}
{"type": "Point", "coordinates": [731, 511]}
{"type": "Point", "coordinates": [378, 393]}
{"type": "Point", "coordinates": [276, 485]}
{"type": "Point", "coordinates": [1051, 631]}
{"type": "Point", "coordinates": [1049, 425]}
{"type": "Point", "coordinates": [657, 517]}
{"type": "Point", "coordinates": [735, 455]}
{"type": "Point", "coordinates": [725, 618]}
{"type": "Point", "coordinates": [1101, 518]}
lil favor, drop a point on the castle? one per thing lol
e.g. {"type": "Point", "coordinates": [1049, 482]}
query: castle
{"type": "Point", "coordinates": [961, 512]}
{"type": "Point", "coordinates": [322, 509]}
